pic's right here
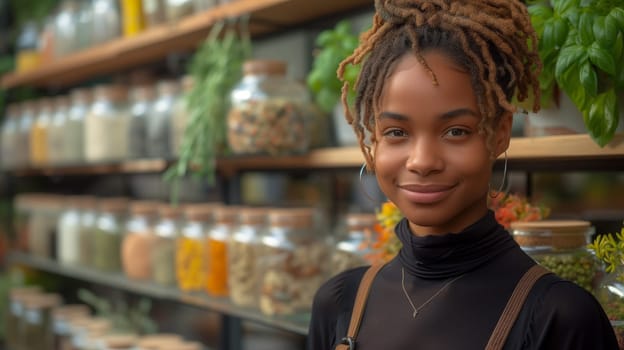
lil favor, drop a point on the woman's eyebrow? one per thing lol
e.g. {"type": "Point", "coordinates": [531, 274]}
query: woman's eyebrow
{"type": "Point", "coordinates": [446, 115]}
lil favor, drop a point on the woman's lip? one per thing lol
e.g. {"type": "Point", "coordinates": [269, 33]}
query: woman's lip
{"type": "Point", "coordinates": [425, 194]}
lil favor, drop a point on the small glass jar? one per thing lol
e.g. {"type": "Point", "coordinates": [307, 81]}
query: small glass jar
{"type": "Point", "coordinates": [17, 299]}
{"type": "Point", "coordinates": [142, 98]}
{"type": "Point", "coordinates": [180, 116]}
{"type": "Point", "coordinates": [106, 21]}
{"type": "Point", "coordinates": [26, 120]}
{"type": "Point", "coordinates": [57, 132]}
{"type": "Point", "coordinates": [61, 316]}
{"type": "Point", "coordinates": [268, 113]}
{"type": "Point", "coordinates": [86, 232]}
{"type": "Point", "coordinates": [43, 225]}
{"type": "Point", "coordinates": [84, 20]}
{"type": "Point", "coordinates": [158, 127]}
{"type": "Point", "coordinates": [216, 250]}
{"type": "Point", "coordinates": [190, 248]}
{"type": "Point", "coordinates": [243, 249]}
{"type": "Point", "coordinates": [106, 125]}
{"type": "Point", "coordinates": [38, 319]}
{"type": "Point", "coordinates": [610, 294]}
{"type": "Point", "coordinates": [139, 237]}
{"type": "Point", "coordinates": [68, 231]}
{"type": "Point", "coordinates": [109, 230]}
{"type": "Point", "coordinates": [292, 262]}
{"type": "Point", "coordinates": [9, 137]}
{"type": "Point", "coordinates": [74, 143]}
{"type": "Point", "coordinates": [39, 133]}
{"type": "Point", "coordinates": [164, 247]}
{"type": "Point", "coordinates": [86, 334]}
{"type": "Point", "coordinates": [27, 47]}
{"type": "Point", "coordinates": [153, 12]}
{"type": "Point", "coordinates": [561, 247]}
{"type": "Point", "coordinates": [118, 342]}
{"type": "Point", "coordinates": [351, 248]}
{"type": "Point", "coordinates": [66, 28]}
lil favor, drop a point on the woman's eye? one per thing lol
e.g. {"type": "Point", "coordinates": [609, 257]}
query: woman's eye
{"type": "Point", "coordinates": [456, 132]}
{"type": "Point", "coordinates": [394, 133]}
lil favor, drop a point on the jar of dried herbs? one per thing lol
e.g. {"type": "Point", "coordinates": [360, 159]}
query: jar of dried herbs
{"type": "Point", "coordinates": [138, 240]}
{"type": "Point", "coordinates": [8, 137]}
{"type": "Point", "coordinates": [352, 240]}
{"type": "Point", "coordinates": [21, 220]}
{"type": "Point", "coordinates": [164, 246]}
{"type": "Point", "coordinates": [561, 247]}
{"type": "Point", "coordinates": [269, 112]}
{"type": "Point", "coordinates": [108, 233]}
{"type": "Point", "coordinates": [216, 250]}
{"type": "Point", "coordinates": [243, 250]}
{"type": "Point", "coordinates": [37, 319]}
{"type": "Point", "coordinates": [86, 232]}
{"type": "Point", "coordinates": [292, 263]}
{"type": "Point", "coordinates": [15, 316]}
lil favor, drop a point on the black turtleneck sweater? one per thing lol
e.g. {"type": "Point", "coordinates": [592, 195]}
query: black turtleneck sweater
{"type": "Point", "coordinates": [556, 315]}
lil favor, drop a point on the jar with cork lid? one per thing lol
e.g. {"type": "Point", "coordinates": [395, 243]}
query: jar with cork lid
{"type": "Point", "coordinates": [293, 261]}
{"type": "Point", "coordinates": [108, 233]}
{"type": "Point", "coordinates": [243, 250]}
{"type": "Point", "coordinates": [88, 331]}
{"type": "Point", "coordinates": [268, 112]}
{"type": "Point", "coordinates": [74, 142]}
{"type": "Point", "coordinates": [141, 102]}
{"type": "Point", "coordinates": [352, 242]}
{"type": "Point", "coordinates": [162, 255]}
{"type": "Point", "coordinates": [67, 238]}
{"type": "Point", "coordinates": [37, 319]}
{"type": "Point", "coordinates": [218, 235]}
{"type": "Point", "coordinates": [39, 133]}
{"type": "Point", "coordinates": [138, 239]}
{"type": "Point", "coordinates": [61, 318]}
{"type": "Point", "coordinates": [86, 232]}
{"type": "Point", "coordinates": [158, 127]}
{"type": "Point", "coordinates": [18, 297]}
{"type": "Point", "coordinates": [561, 247]}
{"type": "Point", "coordinates": [57, 131]}
{"type": "Point", "coordinates": [106, 125]}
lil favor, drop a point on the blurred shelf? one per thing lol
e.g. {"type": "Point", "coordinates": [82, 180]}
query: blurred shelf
{"type": "Point", "coordinates": [295, 324]}
{"type": "Point", "coordinates": [552, 153]}
{"type": "Point", "coordinates": [266, 16]}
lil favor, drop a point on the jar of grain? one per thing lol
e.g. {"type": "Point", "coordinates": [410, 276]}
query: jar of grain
{"type": "Point", "coordinates": [74, 143]}
{"type": "Point", "coordinates": [106, 125]}
{"type": "Point", "coordinates": [292, 263]}
{"type": "Point", "coordinates": [109, 230]}
{"type": "Point", "coordinates": [141, 102]}
{"type": "Point", "coordinates": [268, 113]}
{"type": "Point", "coordinates": [39, 133]}
{"type": "Point", "coordinates": [163, 249]}
{"type": "Point", "coordinates": [561, 247]}
{"type": "Point", "coordinates": [216, 250]}
{"type": "Point", "coordinates": [159, 121]}
{"type": "Point", "coordinates": [139, 237]}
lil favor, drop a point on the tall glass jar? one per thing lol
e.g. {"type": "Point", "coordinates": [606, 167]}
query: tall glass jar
{"type": "Point", "coordinates": [142, 98]}
{"type": "Point", "coordinates": [68, 231]}
{"type": "Point", "coordinates": [74, 143]}
{"type": "Point", "coordinates": [57, 132]}
{"type": "Point", "coordinates": [268, 113]}
{"type": "Point", "coordinates": [351, 248]}
{"type": "Point", "coordinates": [180, 116]}
{"type": "Point", "coordinates": [87, 333]}
{"type": "Point", "coordinates": [66, 28]}
{"type": "Point", "coordinates": [38, 319]}
{"type": "Point", "coordinates": [106, 21]}
{"type": "Point", "coordinates": [106, 125]}
{"type": "Point", "coordinates": [243, 250]}
{"type": "Point", "coordinates": [561, 247]}
{"type": "Point", "coordinates": [27, 47]}
{"type": "Point", "coordinates": [163, 250]}
{"type": "Point", "coordinates": [159, 121]}
{"type": "Point", "coordinates": [9, 137]}
{"type": "Point", "coordinates": [86, 233]}
{"type": "Point", "coordinates": [84, 20]}
{"type": "Point", "coordinates": [216, 250]}
{"type": "Point", "coordinates": [39, 133]}
{"type": "Point", "coordinates": [61, 316]}
{"type": "Point", "coordinates": [43, 225]}
{"type": "Point", "coordinates": [109, 230]}
{"type": "Point", "coordinates": [293, 262]}
{"type": "Point", "coordinates": [138, 240]}
{"type": "Point", "coordinates": [190, 248]}
{"type": "Point", "coordinates": [17, 299]}
{"type": "Point", "coordinates": [26, 121]}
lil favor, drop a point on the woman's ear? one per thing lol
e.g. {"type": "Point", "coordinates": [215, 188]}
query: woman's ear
{"type": "Point", "coordinates": [503, 133]}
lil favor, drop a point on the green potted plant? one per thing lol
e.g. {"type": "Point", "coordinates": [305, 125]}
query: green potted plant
{"type": "Point", "coordinates": [581, 44]}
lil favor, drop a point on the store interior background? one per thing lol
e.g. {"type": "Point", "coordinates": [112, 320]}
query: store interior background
{"type": "Point", "coordinates": [594, 196]}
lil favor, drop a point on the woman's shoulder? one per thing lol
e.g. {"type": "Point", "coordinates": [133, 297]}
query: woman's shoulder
{"type": "Point", "coordinates": [339, 290]}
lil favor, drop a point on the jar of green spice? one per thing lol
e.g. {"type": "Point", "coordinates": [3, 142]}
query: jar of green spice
{"type": "Point", "coordinates": [164, 245]}
{"type": "Point", "coordinates": [108, 233]}
{"type": "Point", "coordinates": [561, 247]}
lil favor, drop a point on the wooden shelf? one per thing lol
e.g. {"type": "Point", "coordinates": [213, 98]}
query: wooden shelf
{"type": "Point", "coordinates": [297, 324]}
{"type": "Point", "coordinates": [553, 153]}
{"type": "Point", "coordinates": [266, 16]}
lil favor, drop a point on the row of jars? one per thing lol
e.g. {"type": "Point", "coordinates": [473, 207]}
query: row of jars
{"type": "Point", "coordinates": [272, 259]}
{"type": "Point", "coordinates": [40, 320]}
{"type": "Point", "coordinates": [79, 24]}
{"type": "Point", "coordinates": [92, 125]}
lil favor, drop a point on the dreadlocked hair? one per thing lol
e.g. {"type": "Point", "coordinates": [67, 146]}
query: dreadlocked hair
{"type": "Point", "coordinates": [493, 40]}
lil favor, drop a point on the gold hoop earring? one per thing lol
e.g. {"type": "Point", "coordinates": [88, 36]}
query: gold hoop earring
{"type": "Point", "coordinates": [362, 188]}
{"type": "Point", "coordinates": [502, 185]}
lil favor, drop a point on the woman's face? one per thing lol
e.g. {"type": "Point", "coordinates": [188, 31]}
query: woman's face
{"type": "Point", "coordinates": [429, 158]}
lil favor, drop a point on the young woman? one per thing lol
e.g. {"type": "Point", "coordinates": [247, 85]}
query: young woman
{"type": "Point", "coordinates": [433, 112]}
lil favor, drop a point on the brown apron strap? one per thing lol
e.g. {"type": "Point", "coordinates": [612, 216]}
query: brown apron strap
{"type": "Point", "coordinates": [348, 342]}
{"type": "Point", "coordinates": [514, 305]}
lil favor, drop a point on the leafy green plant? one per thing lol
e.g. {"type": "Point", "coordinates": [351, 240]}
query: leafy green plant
{"type": "Point", "coordinates": [334, 45]}
{"type": "Point", "coordinates": [581, 44]}
{"type": "Point", "coordinates": [610, 249]}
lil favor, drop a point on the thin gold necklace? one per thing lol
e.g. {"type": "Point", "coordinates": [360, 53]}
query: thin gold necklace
{"type": "Point", "coordinates": [417, 309]}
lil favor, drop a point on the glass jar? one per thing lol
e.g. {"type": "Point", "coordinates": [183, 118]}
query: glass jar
{"type": "Point", "coordinates": [86, 232]}
{"type": "Point", "coordinates": [118, 342]}
{"type": "Point", "coordinates": [57, 131]}
{"type": "Point", "coordinates": [109, 230]}
{"type": "Point", "coordinates": [243, 249]}
{"type": "Point", "coordinates": [158, 125]}
{"type": "Point", "coordinates": [27, 47]}
{"type": "Point", "coordinates": [43, 225]}
{"type": "Point", "coordinates": [106, 125]}
{"type": "Point", "coordinates": [216, 250]}
{"type": "Point", "coordinates": [140, 109]}
{"type": "Point", "coordinates": [610, 294]}
{"type": "Point", "coordinates": [291, 263]}
{"type": "Point", "coordinates": [190, 248]}
{"type": "Point", "coordinates": [203, 5]}
{"type": "Point", "coordinates": [268, 112]}
{"type": "Point", "coordinates": [39, 133]}
{"type": "Point", "coordinates": [17, 299]}
{"type": "Point", "coordinates": [66, 28]}
{"type": "Point", "coordinates": [67, 238]}
{"type": "Point", "coordinates": [138, 240]}
{"type": "Point", "coordinates": [9, 137]}
{"type": "Point", "coordinates": [180, 116]}
{"type": "Point", "coordinates": [61, 316]}
{"type": "Point", "coordinates": [177, 9]}
{"type": "Point", "coordinates": [87, 333]}
{"type": "Point", "coordinates": [132, 17]}
{"type": "Point", "coordinates": [38, 319]}
{"type": "Point", "coordinates": [561, 247]}
{"type": "Point", "coordinates": [84, 20]}
{"type": "Point", "coordinates": [21, 221]}
{"type": "Point", "coordinates": [156, 341]}
{"type": "Point", "coordinates": [47, 51]}
{"type": "Point", "coordinates": [73, 144]}
{"type": "Point", "coordinates": [163, 249]}
{"type": "Point", "coordinates": [26, 120]}
{"type": "Point", "coordinates": [153, 12]}
{"type": "Point", "coordinates": [351, 248]}
{"type": "Point", "coordinates": [106, 21]}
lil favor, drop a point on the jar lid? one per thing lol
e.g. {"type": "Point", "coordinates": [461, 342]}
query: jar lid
{"type": "Point", "coordinates": [142, 92]}
{"type": "Point", "coordinates": [226, 214]}
{"type": "Point", "coordinates": [295, 217]}
{"type": "Point", "coordinates": [146, 208]}
{"type": "Point", "coordinates": [552, 234]}
{"type": "Point", "coordinates": [119, 341]}
{"type": "Point", "coordinates": [114, 93]}
{"type": "Point", "coordinates": [70, 310]}
{"type": "Point", "coordinates": [13, 110]}
{"type": "Point", "coordinates": [168, 211]}
{"type": "Point", "coordinates": [184, 345]}
{"type": "Point", "coordinates": [116, 204]}
{"type": "Point", "coordinates": [98, 326]}
{"type": "Point", "coordinates": [553, 226]}
{"type": "Point", "coordinates": [60, 102]}
{"type": "Point", "coordinates": [43, 301]}
{"type": "Point", "coordinates": [86, 202]}
{"type": "Point", "coordinates": [264, 67]}
{"type": "Point", "coordinates": [81, 95]}
{"type": "Point", "coordinates": [358, 221]}
{"type": "Point", "coordinates": [167, 87]}
{"type": "Point", "coordinates": [19, 292]}
{"type": "Point", "coordinates": [201, 212]}
{"type": "Point", "coordinates": [253, 216]}
{"type": "Point", "coordinates": [44, 105]}
{"type": "Point", "coordinates": [154, 341]}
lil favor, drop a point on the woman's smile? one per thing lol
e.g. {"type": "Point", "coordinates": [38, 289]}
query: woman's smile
{"type": "Point", "coordinates": [426, 193]}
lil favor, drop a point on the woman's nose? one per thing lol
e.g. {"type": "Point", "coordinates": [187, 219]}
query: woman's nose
{"type": "Point", "coordinates": [425, 157]}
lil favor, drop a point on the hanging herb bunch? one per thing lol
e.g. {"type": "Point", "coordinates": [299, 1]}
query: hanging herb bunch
{"type": "Point", "coordinates": [215, 68]}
